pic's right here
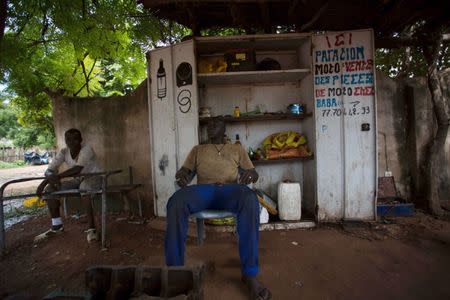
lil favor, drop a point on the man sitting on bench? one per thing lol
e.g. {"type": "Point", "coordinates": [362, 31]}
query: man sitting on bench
{"type": "Point", "coordinates": [217, 166]}
{"type": "Point", "coordinates": [78, 157]}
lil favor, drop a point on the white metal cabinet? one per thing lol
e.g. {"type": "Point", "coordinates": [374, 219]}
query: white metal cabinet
{"type": "Point", "coordinates": [341, 180]}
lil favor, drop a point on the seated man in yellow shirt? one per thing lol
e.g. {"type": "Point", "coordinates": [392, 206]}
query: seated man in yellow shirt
{"type": "Point", "coordinates": [223, 171]}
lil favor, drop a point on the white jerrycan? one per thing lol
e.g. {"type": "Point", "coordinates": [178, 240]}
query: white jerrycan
{"type": "Point", "coordinates": [289, 201]}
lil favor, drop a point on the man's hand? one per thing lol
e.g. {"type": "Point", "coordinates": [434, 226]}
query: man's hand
{"type": "Point", "coordinates": [52, 176]}
{"type": "Point", "coordinates": [183, 177]}
{"type": "Point", "coordinates": [248, 176]}
{"type": "Point", "coordinates": [53, 179]}
{"type": "Point", "coordinates": [41, 187]}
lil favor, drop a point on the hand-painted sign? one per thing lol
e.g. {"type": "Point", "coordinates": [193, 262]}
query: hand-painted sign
{"type": "Point", "coordinates": [343, 72]}
{"type": "Point", "coordinates": [184, 100]}
{"type": "Point", "coordinates": [344, 100]}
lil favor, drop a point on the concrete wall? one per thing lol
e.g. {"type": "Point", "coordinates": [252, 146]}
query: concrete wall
{"type": "Point", "coordinates": [406, 126]}
{"type": "Point", "coordinates": [392, 122]}
{"type": "Point", "coordinates": [117, 129]}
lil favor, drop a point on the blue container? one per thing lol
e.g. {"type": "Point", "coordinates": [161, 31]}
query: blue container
{"type": "Point", "coordinates": [395, 210]}
{"type": "Point", "coordinates": [296, 108]}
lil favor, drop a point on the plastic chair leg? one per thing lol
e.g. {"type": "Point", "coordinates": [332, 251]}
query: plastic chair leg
{"type": "Point", "coordinates": [65, 207]}
{"type": "Point", "coordinates": [200, 231]}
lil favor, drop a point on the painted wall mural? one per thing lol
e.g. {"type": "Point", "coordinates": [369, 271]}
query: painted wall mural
{"type": "Point", "coordinates": [161, 82]}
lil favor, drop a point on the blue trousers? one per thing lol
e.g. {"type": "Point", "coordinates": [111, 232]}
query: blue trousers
{"type": "Point", "coordinates": [236, 198]}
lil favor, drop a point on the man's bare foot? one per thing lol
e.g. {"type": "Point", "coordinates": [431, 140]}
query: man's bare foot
{"type": "Point", "coordinates": [257, 290]}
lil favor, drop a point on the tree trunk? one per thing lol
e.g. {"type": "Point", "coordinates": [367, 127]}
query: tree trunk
{"type": "Point", "coordinates": [441, 107]}
{"type": "Point", "coordinates": [3, 13]}
{"type": "Point", "coordinates": [434, 165]}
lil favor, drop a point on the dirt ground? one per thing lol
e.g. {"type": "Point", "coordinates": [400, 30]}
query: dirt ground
{"type": "Point", "coordinates": [406, 259]}
{"type": "Point", "coordinates": [22, 172]}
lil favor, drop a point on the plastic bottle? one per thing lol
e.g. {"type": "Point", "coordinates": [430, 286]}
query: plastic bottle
{"type": "Point", "coordinates": [237, 112]}
{"type": "Point", "coordinates": [251, 153]}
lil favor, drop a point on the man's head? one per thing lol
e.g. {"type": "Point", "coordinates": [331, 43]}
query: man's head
{"type": "Point", "coordinates": [216, 129]}
{"type": "Point", "coordinates": [73, 139]}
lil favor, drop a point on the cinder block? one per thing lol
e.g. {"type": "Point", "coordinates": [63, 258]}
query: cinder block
{"type": "Point", "coordinates": [139, 282]}
{"type": "Point", "coordinates": [143, 282]}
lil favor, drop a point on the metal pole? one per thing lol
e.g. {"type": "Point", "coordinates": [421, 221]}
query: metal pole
{"type": "Point", "coordinates": [104, 177]}
{"type": "Point", "coordinates": [130, 172]}
{"type": "Point", "coordinates": [2, 227]}
{"type": "Point", "coordinates": [65, 207]}
{"type": "Point", "coordinates": [2, 216]}
{"type": "Point", "coordinates": [2, 221]}
{"type": "Point", "coordinates": [139, 203]}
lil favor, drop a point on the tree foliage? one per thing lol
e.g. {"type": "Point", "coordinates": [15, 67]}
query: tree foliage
{"type": "Point", "coordinates": [76, 48]}
{"type": "Point", "coordinates": [222, 31]}
{"type": "Point", "coordinates": [8, 123]}
{"type": "Point", "coordinates": [21, 136]}
{"type": "Point", "coordinates": [410, 61]}
{"type": "Point", "coordinates": [70, 45]}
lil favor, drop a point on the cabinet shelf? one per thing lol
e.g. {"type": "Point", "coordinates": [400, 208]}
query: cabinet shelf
{"type": "Point", "coordinates": [259, 42]}
{"type": "Point", "coordinates": [246, 77]}
{"type": "Point", "coordinates": [272, 161]}
{"type": "Point", "coordinates": [264, 117]}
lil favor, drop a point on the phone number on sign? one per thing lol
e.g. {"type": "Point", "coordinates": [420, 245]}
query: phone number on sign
{"type": "Point", "coordinates": [337, 112]}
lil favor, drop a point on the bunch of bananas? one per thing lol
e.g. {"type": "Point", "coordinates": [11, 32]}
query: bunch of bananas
{"type": "Point", "coordinates": [284, 140]}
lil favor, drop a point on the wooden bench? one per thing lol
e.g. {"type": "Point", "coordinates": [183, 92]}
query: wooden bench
{"type": "Point", "coordinates": [122, 189]}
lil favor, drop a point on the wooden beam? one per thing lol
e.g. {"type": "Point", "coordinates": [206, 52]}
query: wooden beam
{"type": "Point", "coordinates": [265, 16]}
{"type": "Point", "coordinates": [193, 22]}
{"type": "Point", "coordinates": [392, 43]}
{"type": "Point", "coordinates": [319, 13]}
{"type": "Point", "coordinates": [292, 16]}
{"type": "Point", "coordinates": [384, 16]}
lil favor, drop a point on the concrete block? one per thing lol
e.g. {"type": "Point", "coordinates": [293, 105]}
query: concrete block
{"type": "Point", "coordinates": [139, 282]}
{"type": "Point", "coordinates": [144, 282]}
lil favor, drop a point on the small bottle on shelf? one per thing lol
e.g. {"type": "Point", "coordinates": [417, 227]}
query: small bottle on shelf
{"type": "Point", "coordinates": [238, 141]}
{"type": "Point", "coordinates": [237, 112]}
{"type": "Point", "coordinates": [251, 153]}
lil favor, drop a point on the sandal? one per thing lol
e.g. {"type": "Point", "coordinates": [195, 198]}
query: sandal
{"type": "Point", "coordinates": [257, 290]}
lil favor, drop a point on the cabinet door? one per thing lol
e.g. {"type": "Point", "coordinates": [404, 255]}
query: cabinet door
{"type": "Point", "coordinates": [345, 107]}
{"type": "Point", "coordinates": [173, 115]}
{"type": "Point", "coordinates": [162, 120]}
{"type": "Point", "coordinates": [185, 99]}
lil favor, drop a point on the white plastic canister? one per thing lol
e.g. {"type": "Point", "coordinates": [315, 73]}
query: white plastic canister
{"type": "Point", "coordinates": [263, 215]}
{"type": "Point", "coordinates": [289, 201]}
